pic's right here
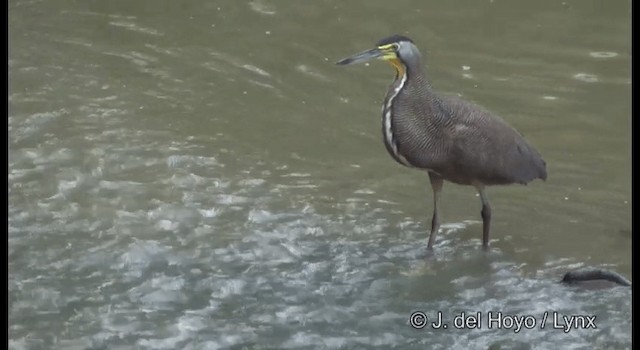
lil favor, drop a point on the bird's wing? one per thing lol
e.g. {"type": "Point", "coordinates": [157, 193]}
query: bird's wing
{"type": "Point", "coordinates": [485, 146]}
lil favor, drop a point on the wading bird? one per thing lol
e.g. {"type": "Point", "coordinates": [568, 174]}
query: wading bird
{"type": "Point", "coordinates": [448, 137]}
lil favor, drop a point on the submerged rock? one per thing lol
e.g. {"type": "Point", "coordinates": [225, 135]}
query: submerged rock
{"type": "Point", "coordinates": [595, 278]}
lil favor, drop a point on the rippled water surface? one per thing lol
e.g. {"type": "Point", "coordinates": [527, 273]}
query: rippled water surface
{"type": "Point", "coordinates": [200, 175]}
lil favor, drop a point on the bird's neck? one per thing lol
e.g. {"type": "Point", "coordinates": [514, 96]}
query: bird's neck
{"type": "Point", "coordinates": [401, 115]}
{"type": "Point", "coordinates": [411, 106]}
{"type": "Point", "coordinates": [415, 83]}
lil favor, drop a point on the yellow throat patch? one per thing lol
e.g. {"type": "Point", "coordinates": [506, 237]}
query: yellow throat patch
{"type": "Point", "coordinates": [397, 65]}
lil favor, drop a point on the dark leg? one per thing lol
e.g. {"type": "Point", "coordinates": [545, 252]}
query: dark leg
{"type": "Point", "coordinates": [436, 186]}
{"type": "Point", "coordinates": [486, 217]}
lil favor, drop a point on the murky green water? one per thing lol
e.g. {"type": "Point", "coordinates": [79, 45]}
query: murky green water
{"type": "Point", "coordinates": [200, 175]}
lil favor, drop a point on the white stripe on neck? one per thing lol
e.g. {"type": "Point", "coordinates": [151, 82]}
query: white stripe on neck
{"type": "Point", "coordinates": [386, 121]}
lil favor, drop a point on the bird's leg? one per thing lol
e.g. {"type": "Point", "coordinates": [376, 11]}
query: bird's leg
{"type": "Point", "coordinates": [486, 217]}
{"type": "Point", "coordinates": [436, 185]}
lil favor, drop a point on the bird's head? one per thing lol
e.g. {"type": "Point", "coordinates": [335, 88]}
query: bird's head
{"type": "Point", "coordinates": [398, 50]}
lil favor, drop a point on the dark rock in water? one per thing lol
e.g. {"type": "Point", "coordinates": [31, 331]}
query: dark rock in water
{"type": "Point", "coordinates": [595, 278]}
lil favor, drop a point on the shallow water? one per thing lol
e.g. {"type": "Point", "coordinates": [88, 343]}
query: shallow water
{"type": "Point", "coordinates": [202, 176]}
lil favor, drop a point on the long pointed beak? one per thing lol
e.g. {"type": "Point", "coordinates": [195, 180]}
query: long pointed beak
{"type": "Point", "coordinates": [362, 57]}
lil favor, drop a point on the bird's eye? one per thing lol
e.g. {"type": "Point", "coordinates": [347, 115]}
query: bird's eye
{"type": "Point", "coordinates": [396, 47]}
